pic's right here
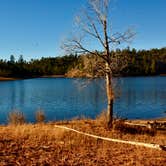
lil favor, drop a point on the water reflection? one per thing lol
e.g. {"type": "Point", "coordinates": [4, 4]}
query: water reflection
{"type": "Point", "coordinates": [21, 92]}
{"type": "Point", "coordinates": [13, 95]}
{"type": "Point", "coordinates": [61, 98]}
{"type": "Point", "coordinates": [16, 94]}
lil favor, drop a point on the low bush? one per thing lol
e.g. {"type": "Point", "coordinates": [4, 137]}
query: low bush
{"type": "Point", "coordinates": [102, 118]}
{"type": "Point", "coordinates": [16, 118]}
{"type": "Point", "coordinates": [40, 116]}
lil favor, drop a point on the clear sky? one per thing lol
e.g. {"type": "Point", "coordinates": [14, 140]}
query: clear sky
{"type": "Point", "coordinates": [35, 28]}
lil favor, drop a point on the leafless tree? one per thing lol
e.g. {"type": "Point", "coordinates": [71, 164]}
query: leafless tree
{"type": "Point", "coordinates": [93, 24]}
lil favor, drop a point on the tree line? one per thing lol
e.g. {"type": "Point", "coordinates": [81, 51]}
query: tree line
{"type": "Point", "coordinates": [138, 63]}
{"type": "Point", "coordinates": [145, 62]}
{"type": "Point", "coordinates": [127, 62]}
{"type": "Point", "coordinates": [36, 67]}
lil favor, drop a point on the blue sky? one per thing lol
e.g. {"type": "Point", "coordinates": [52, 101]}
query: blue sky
{"type": "Point", "coordinates": [35, 28]}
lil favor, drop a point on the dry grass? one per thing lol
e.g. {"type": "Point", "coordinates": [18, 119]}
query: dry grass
{"type": "Point", "coordinates": [40, 116]}
{"type": "Point", "coordinates": [43, 144]}
{"type": "Point", "coordinates": [16, 118]}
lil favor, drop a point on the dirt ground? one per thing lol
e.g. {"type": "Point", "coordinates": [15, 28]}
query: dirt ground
{"type": "Point", "coordinates": [44, 144]}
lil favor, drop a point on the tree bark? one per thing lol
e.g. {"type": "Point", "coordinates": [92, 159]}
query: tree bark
{"type": "Point", "coordinates": [109, 92]}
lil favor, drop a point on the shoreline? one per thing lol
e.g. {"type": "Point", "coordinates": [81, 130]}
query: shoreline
{"type": "Point", "coordinates": [53, 76]}
{"type": "Point", "coordinates": [133, 121]}
{"type": "Point", "coordinates": [8, 79]}
{"type": "Point", "coordinates": [65, 76]}
{"type": "Point", "coordinates": [22, 78]}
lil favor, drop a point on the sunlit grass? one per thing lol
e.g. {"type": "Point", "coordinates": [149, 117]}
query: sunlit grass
{"type": "Point", "coordinates": [30, 144]}
{"type": "Point", "coordinates": [45, 144]}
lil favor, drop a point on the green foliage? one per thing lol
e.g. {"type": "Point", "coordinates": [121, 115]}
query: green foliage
{"type": "Point", "coordinates": [21, 59]}
{"type": "Point", "coordinates": [137, 63]}
{"type": "Point", "coordinates": [153, 66]}
{"type": "Point", "coordinates": [12, 59]}
{"type": "Point", "coordinates": [35, 68]}
{"type": "Point", "coordinates": [142, 62]}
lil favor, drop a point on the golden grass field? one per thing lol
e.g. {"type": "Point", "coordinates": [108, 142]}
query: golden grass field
{"type": "Point", "coordinates": [44, 144]}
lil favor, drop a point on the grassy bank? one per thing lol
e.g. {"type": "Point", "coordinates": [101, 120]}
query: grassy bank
{"type": "Point", "coordinates": [39, 144]}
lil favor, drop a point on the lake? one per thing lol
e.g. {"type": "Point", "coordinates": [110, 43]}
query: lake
{"type": "Point", "coordinates": [67, 98]}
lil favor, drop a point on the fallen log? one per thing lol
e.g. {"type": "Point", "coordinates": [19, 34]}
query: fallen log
{"type": "Point", "coordinates": [147, 145]}
{"type": "Point", "coordinates": [150, 125]}
{"type": "Point", "coordinates": [135, 124]}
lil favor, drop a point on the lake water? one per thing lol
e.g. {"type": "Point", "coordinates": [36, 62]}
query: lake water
{"type": "Point", "coordinates": [65, 98]}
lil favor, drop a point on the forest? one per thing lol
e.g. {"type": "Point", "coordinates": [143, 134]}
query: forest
{"type": "Point", "coordinates": [139, 63]}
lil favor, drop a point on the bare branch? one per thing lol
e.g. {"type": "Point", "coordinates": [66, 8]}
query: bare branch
{"type": "Point", "coordinates": [95, 23]}
{"type": "Point", "coordinates": [90, 28]}
{"type": "Point", "coordinates": [118, 37]}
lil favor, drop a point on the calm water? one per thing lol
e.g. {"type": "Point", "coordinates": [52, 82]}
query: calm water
{"type": "Point", "coordinates": [62, 98]}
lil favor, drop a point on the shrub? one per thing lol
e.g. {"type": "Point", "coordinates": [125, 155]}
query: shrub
{"type": "Point", "coordinates": [102, 118]}
{"type": "Point", "coordinates": [40, 116]}
{"type": "Point", "coordinates": [16, 118]}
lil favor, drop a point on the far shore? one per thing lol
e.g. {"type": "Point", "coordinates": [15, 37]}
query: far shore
{"type": "Point", "coordinates": [21, 78]}
{"type": "Point", "coordinates": [52, 76]}
{"type": "Point", "coordinates": [8, 79]}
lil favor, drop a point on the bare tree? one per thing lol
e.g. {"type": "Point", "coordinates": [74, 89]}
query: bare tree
{"type": "Point", "coordinates": [94, 24]}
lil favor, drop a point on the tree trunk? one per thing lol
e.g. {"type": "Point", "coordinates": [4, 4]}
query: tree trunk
{"type": "Point", "coordinates": [109, 97]}
{"type": "Point", "coordinates": [109, 90]}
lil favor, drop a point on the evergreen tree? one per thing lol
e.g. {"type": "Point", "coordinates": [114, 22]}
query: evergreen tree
{"type": "Point", "coordinates": [12, 59]}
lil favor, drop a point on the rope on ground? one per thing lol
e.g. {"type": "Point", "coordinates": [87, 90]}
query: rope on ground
{"type": "Point", "coordinates": [148, 145]}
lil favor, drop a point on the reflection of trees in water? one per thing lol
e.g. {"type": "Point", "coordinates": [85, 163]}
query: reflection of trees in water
{"type": "Point", "coordinates": [66, 99]}
{"type": "Point", "coordinates": [13, 95]}
{"type": "Point", "coordinates": [17, 90]}
{"type": "Point", "coordinates": [91, 92]}
{"type": "Point", "coordinates": [130, 97]}
{"type": "Point", "coordinates": [142, 97]}
{"type": "Point", "coordinates": [21, 87]}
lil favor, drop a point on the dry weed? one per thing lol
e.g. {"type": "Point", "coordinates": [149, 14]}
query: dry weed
{"type": "Point", "coordinates": [16, 118]}
{"type": "Point", "coordinates": [40, 116]}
